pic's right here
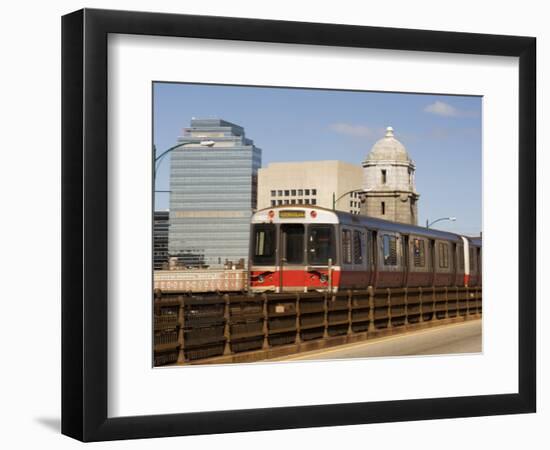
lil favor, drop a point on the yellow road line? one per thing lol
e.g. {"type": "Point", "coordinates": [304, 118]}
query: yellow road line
{"type": "Point", "coordinates": [339, 348]}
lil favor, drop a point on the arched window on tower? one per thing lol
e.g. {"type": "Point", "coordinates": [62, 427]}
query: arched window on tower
{"type": "Point", "coordinates": [384, 176]}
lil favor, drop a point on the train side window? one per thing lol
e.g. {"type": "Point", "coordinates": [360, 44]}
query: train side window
{"type": "Point", "coordinates": [419, 253]}
{"type": "Point", "coordinates": [389, 249]}
{"type": "Point", "coordinates": [357, 247]}
{"type": "Point", "coordinates": [472, 259]}
{"type": "Point", "coordinates": [320, 245]}
{"type": "Point", "coordinates": [346, 246]}
{"type": "Point", "coordinates": [443, 255]}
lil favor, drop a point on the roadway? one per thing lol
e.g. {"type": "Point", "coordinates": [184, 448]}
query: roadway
{"type": "Point", "coordinates": [462, 337]}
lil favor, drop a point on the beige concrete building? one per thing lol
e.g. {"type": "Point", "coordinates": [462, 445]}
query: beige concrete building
{"type": "Point", "coordinates": [311, 183]}
{"type": "Point", "coordinates": [389, 183]}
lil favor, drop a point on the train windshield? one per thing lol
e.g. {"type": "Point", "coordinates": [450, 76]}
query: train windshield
{"type": "Point", "coordinates": [320, 245]}
{"type": "Point", "coordinates": [264, 244]}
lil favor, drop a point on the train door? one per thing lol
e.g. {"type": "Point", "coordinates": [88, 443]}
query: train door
{"type": "Point", "coordinates": [460, 266]}
{"type": "Point", "coordinates": [405, 258]}
{"type": "Point", "coordinates": [291, 257]}
{"type": "Point", "coordinates": [371, 257]}
{"type": "Point", "coordinates": [466, 249]}
{"type": "Point", "coordinates": [443, 264]}
{"type": "Point", "coordinates": [352, 273]}
{"type": "Point", "coordinates": [432, 263]}
{"type": "Point", "coordinates": [360, 280]}
{"type": "Point", "coordinates": [473, 266]}
{"type": "Point", "coordinates": [389, 260]}
{"type": "Point", "coordinates": [455, 250]}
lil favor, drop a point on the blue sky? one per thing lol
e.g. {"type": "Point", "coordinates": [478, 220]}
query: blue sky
{"type": "Point", "coordinates": [442, 134]}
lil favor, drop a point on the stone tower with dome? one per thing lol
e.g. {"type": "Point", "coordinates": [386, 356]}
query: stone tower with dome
{"type": "Point", "coordinates": [389, 182]}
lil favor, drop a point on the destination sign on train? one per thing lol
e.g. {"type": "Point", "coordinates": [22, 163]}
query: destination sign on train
{"type": "Point", "coordinates": [292, 214]}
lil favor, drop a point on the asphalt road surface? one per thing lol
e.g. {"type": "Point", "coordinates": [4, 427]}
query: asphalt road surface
{"type": "Point", "coordinates": [456, 338]}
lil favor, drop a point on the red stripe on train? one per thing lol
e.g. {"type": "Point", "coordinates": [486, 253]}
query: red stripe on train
{"type": "Point", "coordinates": [294, 278]}
{"type": "Point", "coordinates": [316, 279]}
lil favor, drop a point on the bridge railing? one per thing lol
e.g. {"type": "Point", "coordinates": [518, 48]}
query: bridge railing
{"type": "Point", "coordinates": [194, 328]}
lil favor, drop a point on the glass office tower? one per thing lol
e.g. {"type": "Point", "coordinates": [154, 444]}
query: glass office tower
{"type": "Point", "coordinates": [160, 240]}
{"type": "Point", "coordinates": [213, 184]}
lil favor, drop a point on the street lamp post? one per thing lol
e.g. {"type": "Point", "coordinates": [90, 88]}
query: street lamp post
{"type": "Point", "coordinates": [429, 224]}
{"type": "Point", "coordinates": [335, 200]}
{"type": "Point", "coordinates": [159, 158]}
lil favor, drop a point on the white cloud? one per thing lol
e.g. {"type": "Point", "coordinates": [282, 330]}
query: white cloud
{"type": "Point", "coordinates": [353, 130]}
{"type": "Point", "coordinates": [443, 109]}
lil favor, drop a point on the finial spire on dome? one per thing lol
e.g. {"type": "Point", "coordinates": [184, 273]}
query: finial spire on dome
{"type": "Point", "coordinates": [389, 132]}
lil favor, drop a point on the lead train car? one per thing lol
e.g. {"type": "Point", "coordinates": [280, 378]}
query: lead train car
{"type": "Point", "coordinates": [300, 249]}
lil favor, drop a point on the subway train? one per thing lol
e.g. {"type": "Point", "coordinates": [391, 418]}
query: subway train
{"type": "Point", "coordinates": [304, 248]}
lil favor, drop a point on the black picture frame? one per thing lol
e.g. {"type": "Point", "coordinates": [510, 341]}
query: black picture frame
{"type": "Point", "coordinates": [84, 224]}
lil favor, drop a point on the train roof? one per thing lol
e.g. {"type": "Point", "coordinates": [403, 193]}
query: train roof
{"type": "Point", "coordinates": [293, 213]}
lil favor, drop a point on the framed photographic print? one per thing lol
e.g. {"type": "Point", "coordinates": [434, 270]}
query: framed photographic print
{"type": "Point", "coordinates": [273, 224]}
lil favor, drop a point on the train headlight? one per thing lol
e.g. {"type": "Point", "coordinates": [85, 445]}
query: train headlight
{"type": "Point", "coordinates": [260, 278]}
{"type": "Point", "coordinates": [323, 278]}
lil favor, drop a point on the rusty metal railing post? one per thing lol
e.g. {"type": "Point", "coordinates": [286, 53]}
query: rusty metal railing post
{"type": "Point", "coordinates": [388, 306]}
{"type": "Point", "coordinates": [265, 329]}
{"type": "Point", "coordinates": [436, 301]}
{"type": "Point", "coordinates": [406, 305]}
{"type": "Point", "coordinates": [227, 325]}
{"type": "Point", "coordinates": [329, 267]}
{"type": "Point", "coordinates": [434, 305]}
{"type": "Point", "coordinates": [181, 332]}
{"type": "Point", "coordinates": [446, 302]}
{"type": "Point", "coordinates": [325, 319]}
{"type": "Point", "coordinates": [371, 310]}
{"type": "Point", "coordinates": [421, 304]}
{"type": "Point", "coordinates": [298, 328]}
{"type": "Point", "coordinates": [467, 303]}
{"type": "Point", "coordinates": [479, 302]}
{"type": "Point", "coordinates": [350, 296]}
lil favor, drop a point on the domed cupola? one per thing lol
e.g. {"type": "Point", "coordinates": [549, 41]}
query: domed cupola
{"type": "Point", "coordinates": [388, 149]}
{"type": "Point", "coordinates": [388, 182]}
